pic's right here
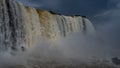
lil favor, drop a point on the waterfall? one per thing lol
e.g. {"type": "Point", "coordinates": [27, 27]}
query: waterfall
{"type": "Point", "coordinates": [20, 25]}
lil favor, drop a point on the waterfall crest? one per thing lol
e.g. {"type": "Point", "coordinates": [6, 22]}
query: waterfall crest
{"type": "Point", "coordinates": [20, 25]}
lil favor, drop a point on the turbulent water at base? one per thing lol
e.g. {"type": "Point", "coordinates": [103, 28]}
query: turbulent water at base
{"type": "Point", "coordinates": [20, 26]}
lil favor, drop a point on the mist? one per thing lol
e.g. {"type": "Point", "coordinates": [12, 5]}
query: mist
{"type": "Point", "coordinates": [75, 47]}
{"type": "Point", "coordinates": [107, 26]}
{"type": "Point", "coordinates": [104, 45]}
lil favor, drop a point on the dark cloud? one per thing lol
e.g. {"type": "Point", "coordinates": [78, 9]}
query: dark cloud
{"type": "Point", "coordinates": [83, 7]}
{"type": "Point", "coordinates": [70, 7]}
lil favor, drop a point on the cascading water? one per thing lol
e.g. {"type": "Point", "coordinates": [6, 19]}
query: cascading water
{"type": "Point", "coordinates": [11, 25]}
{"type": "Point", "coordinates": [20, 26]}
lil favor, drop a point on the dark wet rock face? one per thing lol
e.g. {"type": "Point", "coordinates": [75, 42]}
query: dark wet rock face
{"type": "Point", "coordinates": [116, 60]}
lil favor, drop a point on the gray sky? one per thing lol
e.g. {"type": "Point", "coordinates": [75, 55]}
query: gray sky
{"type": "Point", "coordinates": [70, 7]}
